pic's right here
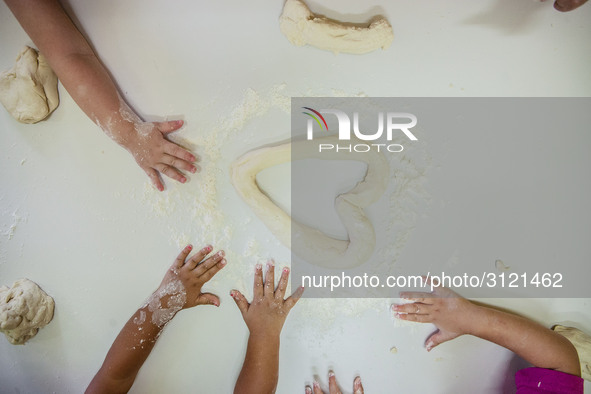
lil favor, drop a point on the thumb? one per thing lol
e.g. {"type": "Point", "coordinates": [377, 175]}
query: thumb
{"type": "Point", "coordinates": [439, 337]}
{"type": "Point", "coordinates": [208, 299]}
{"type": "Point", "coordinates": [240, 301]}
{"type": "Point", "coordinates": [169, 126]}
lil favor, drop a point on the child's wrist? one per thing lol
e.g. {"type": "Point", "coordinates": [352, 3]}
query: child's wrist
{"type": "Point", "coordinates": [475, 320]}
{"type": "Point", "coordinates": [126, 135]}
{"type": "Point", "coordinates": [265, 334]}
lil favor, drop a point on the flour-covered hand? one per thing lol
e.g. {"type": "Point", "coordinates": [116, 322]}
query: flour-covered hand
{"type": "Point", "coordinates": [157, 155]}
{"type": "Point", "coordinates": [186, 276]}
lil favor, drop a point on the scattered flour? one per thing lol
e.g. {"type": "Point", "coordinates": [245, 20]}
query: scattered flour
{"type": "Point", "coordinates": [202, 211]}
{"type": "Point", "coordinates": [17, 218]}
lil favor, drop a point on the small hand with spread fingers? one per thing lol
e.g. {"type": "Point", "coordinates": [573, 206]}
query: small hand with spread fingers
{"type": "Point", "coordinates": [264, 317]}
{"type": "Point", "coordinates": [454, 315]}
{"type": "Point", "coordinates": [180, 289]}
{"type": "Point", "coordinates": [447, 310]}
{"type": "Point", "coordinates": [155, 154]}
{"type": "Point", "coordinates": [267, 312]}
{"type": "Point", "coordinates": [193, 273]}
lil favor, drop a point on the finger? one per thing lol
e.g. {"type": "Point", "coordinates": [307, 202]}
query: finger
{"type": "Point", "coordinates": [270, 279]}
{"type": "Point", "coordinates": [170, 172]}
{"type": "Point", "coordinates": [417, 296]}
{"type": "Point", "coordinates": [294, 298]}
{"type": "Point", "coordinates": [169, 126]}
{"type": "Point", "coordinates": [258, 282]}
{"type": "Point", "coordinates": [240, 300]}
{"type": "Point", "coordinates": [180, 259]}
{"type": "Point", "coordinates": [192, 262]}
{"type": "Point", "coordinates": [317, 389]}
{"type": "Point", "coordinates": [175, 162]}
{"type": "Point", "coordinates": [208, 299]}
{"type": "Point", "coordinates": [174, 150]}
{"type": "Point", "coordinates": [201, 267]}
{"type": "Point", "coordinates": [197, 257]}
{"type": "Point", "coordinates": [205, 277]}
{"type": "Point", "coordinates": [308, 390]}
{"type": "Point", "coordinates": [282, 286]}
{"type": "Point", "coordinates": [154, 178]}
{"type": "Point", "coordinates": [333, 388]}
{"type": "Point", "coordinates": [414, 317]}
{"type": "Point", "coordinates": [414, 308]}
{"type": "Point", "coordinates": [357, 386]}
{"type": "Point", "coordinates": [437, 338]}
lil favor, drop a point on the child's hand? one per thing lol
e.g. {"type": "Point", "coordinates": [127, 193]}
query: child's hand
{"type": "Point", "coordinates": [181, 286]}
{"type": "Point", "coordinates": [155, 154]}
{"type": "Point", "coordinates": [333, 388]}
{"type": "Point", "coordinates": [267, 312]}
{"type": "Point", "coordinates": [451, 313]}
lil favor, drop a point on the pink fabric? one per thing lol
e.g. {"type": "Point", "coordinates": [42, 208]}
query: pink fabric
{"type": "Point", "coordinates": [547, 381]}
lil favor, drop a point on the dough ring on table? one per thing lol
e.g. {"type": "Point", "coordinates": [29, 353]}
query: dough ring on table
{"type": "Point", "coordinates": [309, 243]}
{"type": "Point", "coordinates": [302, 27]}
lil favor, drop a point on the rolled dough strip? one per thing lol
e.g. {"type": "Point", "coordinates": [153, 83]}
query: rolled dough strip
{"type": "Point", "coordinates": [302, 27]}
{"type": "Point", "coordinates": [309, 243]}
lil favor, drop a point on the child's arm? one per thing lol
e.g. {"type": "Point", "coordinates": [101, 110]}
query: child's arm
{"type": "Point", "coordinates": [90, 85]}
{"type": "Point", "coordinates": [454, 316]}
{"type": "Point", "coordinates": [264, 318]}
{"type": "Point", "coordinates": [180, 289]}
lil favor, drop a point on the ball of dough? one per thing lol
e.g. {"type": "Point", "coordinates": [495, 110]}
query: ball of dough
{"type": "Point", "coordinates": [582, 342]}
{"type": "Point", "coordinates": [29, 90]}
{"type": "Point", "coordinates": [24, 309]}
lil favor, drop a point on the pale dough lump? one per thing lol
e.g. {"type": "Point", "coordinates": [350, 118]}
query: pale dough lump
{"type": "Point", "coordinates": [28, 91]}
{"type": "Point", "coordinates": [24, 309]}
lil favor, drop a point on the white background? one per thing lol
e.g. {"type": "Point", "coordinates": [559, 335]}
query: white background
{"type": "Point", "coordinates": [77, 217]}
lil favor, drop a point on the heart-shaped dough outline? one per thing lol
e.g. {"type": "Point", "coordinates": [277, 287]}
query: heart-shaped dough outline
{"type": "Point", "coordinates": [311, 244]}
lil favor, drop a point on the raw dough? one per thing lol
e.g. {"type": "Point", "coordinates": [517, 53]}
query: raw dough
{"type": "Point", "coordinates": [29, 90]}
{"type": "Point", "coordinates": [311, 244]}
{"type": "Point", "coordinates": [302, 27]}
{"type": "Point", "coordinates": [24, 309]}
{"type": "Point", "coordinates": [582, 342]}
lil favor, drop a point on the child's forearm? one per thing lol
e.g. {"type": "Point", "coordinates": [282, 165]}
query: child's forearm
{"type": "Point", "coordinates": [129, 351]}
{"type": "Point", "coordinates": [260, 370]}
{"type": "Point", "coordinates": [74, 62]}
{"type": "Point", "coordinates": [533, 342]}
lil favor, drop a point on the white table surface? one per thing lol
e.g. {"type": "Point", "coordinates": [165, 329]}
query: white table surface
{"type": "Point", "coordinates": [77, 216]}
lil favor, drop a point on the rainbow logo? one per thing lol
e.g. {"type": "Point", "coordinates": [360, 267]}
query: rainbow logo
{"type": "Point", "coordinates": [315, 118]}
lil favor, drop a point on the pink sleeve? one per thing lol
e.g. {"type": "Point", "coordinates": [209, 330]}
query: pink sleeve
{"type": "Point", "coordinates": [547, 381]}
